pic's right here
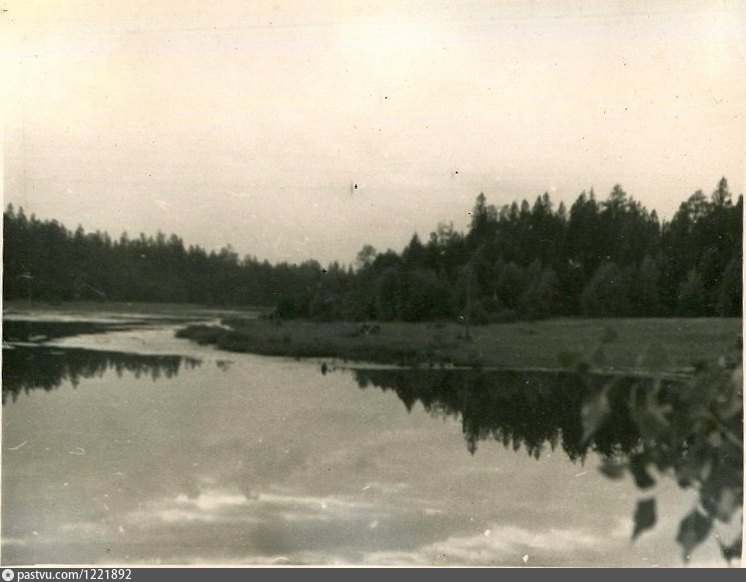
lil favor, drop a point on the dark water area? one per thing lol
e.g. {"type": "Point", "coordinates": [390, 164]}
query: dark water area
{"type": "Point", "coordinates": [114, 452]}
{"type": "Point", "coordinates": [46, 368]}
{"type": "Point", "coordinates": [530, 411]}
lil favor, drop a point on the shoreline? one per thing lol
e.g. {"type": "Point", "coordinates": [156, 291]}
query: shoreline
{"type": "Point", "coordinates": [630, 345]}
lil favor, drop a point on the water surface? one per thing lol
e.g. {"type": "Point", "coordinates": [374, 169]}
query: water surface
{"type": "Point", "coordinates": [130, 446]}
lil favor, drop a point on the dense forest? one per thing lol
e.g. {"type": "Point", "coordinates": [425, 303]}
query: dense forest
{"type": "Point", "coordinates": [607, 257]}
{"type": "Point", "coordinates": [43, 260]}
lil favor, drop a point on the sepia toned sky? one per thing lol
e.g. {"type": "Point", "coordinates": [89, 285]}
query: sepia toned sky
{"type": "Point", "coordinates": [250, 122]}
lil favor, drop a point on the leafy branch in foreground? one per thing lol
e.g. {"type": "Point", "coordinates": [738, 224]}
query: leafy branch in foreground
{"type": "Point", "coordinates": [692, 431]}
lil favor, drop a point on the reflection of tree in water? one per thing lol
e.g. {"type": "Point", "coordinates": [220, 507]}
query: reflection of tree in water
{"type": "Point", "coordinates": [29, 368]}
{"type": "Point", "coordinates": [519, 409]}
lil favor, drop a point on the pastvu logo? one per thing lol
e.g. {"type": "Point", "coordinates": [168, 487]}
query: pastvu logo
{"type": "Point", "coordinates": [8, 574]}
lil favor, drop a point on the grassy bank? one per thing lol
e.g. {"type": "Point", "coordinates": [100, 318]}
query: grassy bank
{"type": "Point", "coordinates": [542, 344]}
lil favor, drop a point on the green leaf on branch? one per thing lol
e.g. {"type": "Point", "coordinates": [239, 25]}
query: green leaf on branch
{"type": "Point", "coordinates": [718, 500]}
{"type": "Point", "coordinates": [693, 530]}
{"type": "Point", "coordinates": [638, 467]}
{"type": "Point", "coordinates": [613, 470]}
{"type": "Point", "coordinates": [727, 504]}
{"type": "Point", "coordinates": [732, 551]}
{"type": "Point", "coordinates": [645, 516]}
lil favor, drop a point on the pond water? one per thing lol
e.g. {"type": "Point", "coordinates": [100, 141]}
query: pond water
{"type": "Point", "coordinates": [128, 446]}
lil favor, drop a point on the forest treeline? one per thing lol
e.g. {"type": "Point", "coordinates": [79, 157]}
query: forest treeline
{"type": "Point", "coordinates": [608, 257]}
{"type": "Point", "coordinates": [43, 260]}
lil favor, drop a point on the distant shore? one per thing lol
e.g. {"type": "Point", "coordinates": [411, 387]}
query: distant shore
{"type": "Point", "coordinates": [627, 343]}
{"type": "Point", "coordinates": [552, 343]}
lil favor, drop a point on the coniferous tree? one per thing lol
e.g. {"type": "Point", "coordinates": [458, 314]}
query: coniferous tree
{"type": "Point", "coordinates": [600, 258]}
{"type": "Point", "coordinates": [645, 292]}
{"type": "Point", "coordinates": [607, 293]}
{"type": "Point", "coordinates": [692, 296]}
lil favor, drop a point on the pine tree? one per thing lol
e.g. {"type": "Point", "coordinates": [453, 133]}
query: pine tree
{"type": "Point", "coordinates": [692, 296]}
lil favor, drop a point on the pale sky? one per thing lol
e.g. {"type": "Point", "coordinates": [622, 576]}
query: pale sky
{"type": "Point", "coordinates": [247, 122]}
